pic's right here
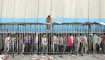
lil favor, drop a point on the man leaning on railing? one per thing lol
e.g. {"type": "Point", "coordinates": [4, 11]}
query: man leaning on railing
{"type": "Point", "coordinates": [48, 21]}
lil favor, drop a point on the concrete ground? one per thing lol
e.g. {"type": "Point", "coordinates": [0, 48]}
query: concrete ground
{"type": "Point", "coordinates": [56, 57]}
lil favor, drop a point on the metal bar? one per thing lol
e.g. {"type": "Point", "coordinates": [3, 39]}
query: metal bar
{"type": "Point", "coordinates": [38, 10]}
{"type": "Point", "coordinates": [1, 10]}
{"type": "Point", "coordinates": [45, 24]}
{"type": "Point", "coordinates": [88, 10]}
{"type": "Point", "coordinates": [100, 10]}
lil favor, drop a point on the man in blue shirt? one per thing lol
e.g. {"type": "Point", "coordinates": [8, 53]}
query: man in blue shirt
{"type": "Point", "coordinates": [26, 40]}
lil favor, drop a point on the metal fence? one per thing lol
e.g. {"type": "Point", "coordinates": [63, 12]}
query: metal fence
{"type": "Point", "coordinates": [59, 39]}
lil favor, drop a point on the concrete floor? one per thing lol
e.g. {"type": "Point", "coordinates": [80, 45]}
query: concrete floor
{"type": "Point", "coordinates": [56, 57]}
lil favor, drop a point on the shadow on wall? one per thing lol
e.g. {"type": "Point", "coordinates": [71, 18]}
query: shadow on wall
{"type": "Point", "coordinates": [42, 20]}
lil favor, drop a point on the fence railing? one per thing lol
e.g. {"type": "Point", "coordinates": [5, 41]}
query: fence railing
{"type": "Point", "coordinates": [52, 39]}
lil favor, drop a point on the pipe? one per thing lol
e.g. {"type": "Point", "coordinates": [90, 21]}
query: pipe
{"type": "Point", "coordinates": [38, 11]}
{"type": "Point", "coordinates": [1, 10]}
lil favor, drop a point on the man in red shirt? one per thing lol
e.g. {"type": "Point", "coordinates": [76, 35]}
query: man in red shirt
{"type": "Point", "coordinates": [103, 40]}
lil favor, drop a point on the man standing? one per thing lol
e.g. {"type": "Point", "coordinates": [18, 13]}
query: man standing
{"type": "Point", "coordinates": [72, 47]}
{"type": "Point", "coordinates": [68, 43]}
{"type": "Point", "coordinates": [4, 38]}
{"type": "Point", "coordinates": [26, 41]}
{"type": "Point", "coordinates": [20, 42]}
{"type": "Point", "coordinates": [79, 38]}
{"type": "Point", "coordinates": [85, 43]}
{"type": "Point", "coordinates": [75, 42]}
{"type": "Point", "coordinates": [30, 40]}
{"type": "Point", "coordinates": [103, 42]}
{"type": "Point", "coordinates": [23, 43]}
{"type": "Point", "coordinates": [81, 45]}
{"type": "Point", "coordinates": [36, 43]}
{"type": "Point", "coordinates": [90, 42]}
{"type": "Point", "coordinates": [44, 44]}
{"type": "Point", "coordinates": [61, 43]}
{"type": "Point", "coordinates": [1, 43]}
{"type": "Point", "coordinates": [95, 42]}
{"type": "Point", "coordinates": [64, 43]}
{"type": "Point", "coordinates": [8, 43]}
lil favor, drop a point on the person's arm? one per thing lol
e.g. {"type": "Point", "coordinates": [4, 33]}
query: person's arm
{"type": "Point", "coordinates": [50, 20]}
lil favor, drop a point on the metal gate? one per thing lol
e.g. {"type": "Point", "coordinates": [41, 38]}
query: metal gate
{"type": "Point", "coordinates": [60, 39]}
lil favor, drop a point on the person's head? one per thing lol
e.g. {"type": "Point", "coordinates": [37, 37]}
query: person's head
{"type": "Point", "coordinates": [32, 35]}
{"type": "Point", "coordinates": [22, 34]}
{"type": "Point", "coordinates": [9, 35]}
{"type": "Point", "coordinates": [68, 34]}
{"type": "Point", "coordinates": [94, 33]}
{"type": "Point", "coordinates": [58, 35]}
{"type": "Point", "coordinates": [75, 35]}
{"type": "Point", "coordinates": [49, 16]}
{"type": "Point", "coordinates": [80, 34]}
{"type": "Point", "coordinates": [29, 34]}
{"type": "Point", "coordinates": [26, 34]}
{"type": "Point", "coordinates": [36, 34]}
{"type": "Point", "coordinates": [44, 35]}
{"type": "Point", "coordinates": [71, 34]}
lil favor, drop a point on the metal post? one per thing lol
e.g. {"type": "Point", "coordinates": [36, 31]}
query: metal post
{"type": "Point", "coordinates": [52, 38]}
{"type": "Point", "coordinates": [88, 10]}
{"type": "Point", "coordinates": [67, 36]}
{"type": "Point", "coordinates": [100, 10]}
{"type": "Point", "coordinates": [17, 31]}
{"type": "Point", "coordinates": [13, 37]}
{"type": "Point", "coordinates": [38, 10]}
{"type": "Point", "coordinates": [25, 35]}
{"type": "Point", "coordinates": [1, 10]}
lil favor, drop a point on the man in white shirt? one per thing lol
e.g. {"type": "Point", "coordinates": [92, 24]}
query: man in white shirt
{"type": "Point", "coordinates": [85, 43]}
{"type": "Point", "coordinates": [8, 43]}
{"type": "Point", "coordinates": [44, 44]}
{"type": "Point", "coordinates": [13, 39]}
{"type": "Point", "coordinates": [61, 43]}
{"type": "Point", "coordinates": [95, 42]}
{"type": "Point", "coordinates": [99, 42]}
{"type": "Point", "coordinates": [55, 44]}
{"type": "Point", "coordinates": [72, 38]}
{"type": "Point", "coordinates": [79, 41]}
{"type": "Point", "coordinates": [36, 43]}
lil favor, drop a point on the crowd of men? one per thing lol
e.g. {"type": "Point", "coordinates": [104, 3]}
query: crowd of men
{"type": "Point", "coordinates": [49, 43]}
